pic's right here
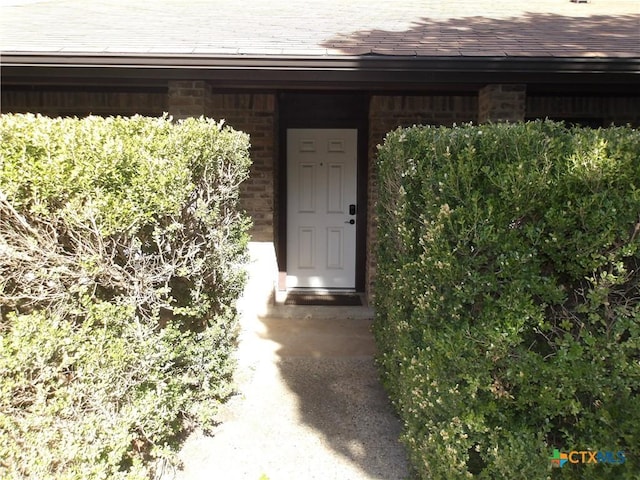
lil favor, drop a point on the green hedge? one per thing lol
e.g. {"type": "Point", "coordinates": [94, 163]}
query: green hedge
{"type": "Point", "coordinates": [121, 257]}
{"type": "Point", "coordinates": [507, 297]}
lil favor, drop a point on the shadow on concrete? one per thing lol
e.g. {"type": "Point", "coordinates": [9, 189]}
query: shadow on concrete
{"type": "Point", "coordinates": [532, 34]}
{"type": "Point", "coordinates": [327, 362]}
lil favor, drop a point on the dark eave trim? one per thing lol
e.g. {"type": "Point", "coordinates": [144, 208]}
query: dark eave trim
{"type": "Point", "coordinates": [369, 71]}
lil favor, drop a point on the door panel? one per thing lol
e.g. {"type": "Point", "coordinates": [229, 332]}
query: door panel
{"type": "Point", "coordinates": [335, 247]}
{"type": "Point", "coordinates": [321, 183]}
{"type": "Point", "coordinates": [306, 247]}
{"type": "Point", "coordinates": [306, 191]}
{"type": "Point", "coordinates": [335, 187]}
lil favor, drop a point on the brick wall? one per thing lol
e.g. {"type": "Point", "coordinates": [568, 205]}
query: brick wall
{"type": "Point", "coordinates": [501, 103]}
{"type": "Point", "coordinates": [68, 102]}
{"type": "Point", "coordinates": [389, 112]}
{"type": "Point", "coordinates": [617, 110]}
{"type": "Point", "coordinates": [187, 98]}
{"type": "Point", "coordinates": [255, 114]}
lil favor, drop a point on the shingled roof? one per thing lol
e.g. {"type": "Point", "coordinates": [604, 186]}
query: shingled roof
{"type": "Point", "coordinates": [280, 34]}
{"type": "Point", "coordinates": [556, 28]}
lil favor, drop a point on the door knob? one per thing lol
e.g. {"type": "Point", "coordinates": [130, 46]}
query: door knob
{"type": "Point", "coordinates": [352, 221]}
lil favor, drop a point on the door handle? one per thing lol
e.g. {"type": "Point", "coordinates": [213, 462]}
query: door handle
{"type": "Point", "coordinates": [352, 221]}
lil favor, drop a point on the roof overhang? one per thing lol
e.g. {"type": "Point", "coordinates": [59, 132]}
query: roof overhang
{"type": "Point", "coordinates": [344, 72]}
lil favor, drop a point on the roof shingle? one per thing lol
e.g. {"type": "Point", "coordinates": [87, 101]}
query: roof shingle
{"type": "Point", "coordinates": [547, 28]}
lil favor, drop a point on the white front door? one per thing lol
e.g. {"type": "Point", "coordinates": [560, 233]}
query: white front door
{"type": "Point", "coordinates": [321, 227]}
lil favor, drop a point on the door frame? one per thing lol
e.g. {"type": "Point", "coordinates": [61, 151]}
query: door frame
{"type": "Point", "coordinates": [323, 110]}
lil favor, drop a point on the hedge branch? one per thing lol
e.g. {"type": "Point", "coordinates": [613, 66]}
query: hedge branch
{"type": "Point", "coordinates": [43, 262]}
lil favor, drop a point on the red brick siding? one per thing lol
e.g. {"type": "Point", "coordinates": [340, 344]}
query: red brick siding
{"type": "Point", "coordinates": [56, 103]}
{"type": "Point", "coordinates": [187, 98]}
{"type": "Point", "coordinates": [611, 110]}
{"type": "Point", "coordinates": [501, 103]}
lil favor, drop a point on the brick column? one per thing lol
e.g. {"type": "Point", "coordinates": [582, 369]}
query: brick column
{"type": "Point", "coordinates": [502, 103]}
{"type": "Point", "coordinates": [187, 98]}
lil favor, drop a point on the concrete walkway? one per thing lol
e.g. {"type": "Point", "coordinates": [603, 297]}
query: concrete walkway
{"type": "Point", "coordinates": [310, 405]}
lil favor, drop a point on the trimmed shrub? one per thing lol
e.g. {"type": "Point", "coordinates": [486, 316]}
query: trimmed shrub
{"type": "Point", "coordinates": [121, 258]}
{"type": "Point", "coordinates": [507, 300]}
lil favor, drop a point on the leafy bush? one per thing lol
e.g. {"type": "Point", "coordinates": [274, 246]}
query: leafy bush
{"type": "Point", "coordinates": [121, 257]}
{"type": "Point", "coordinates": [507, 297]}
